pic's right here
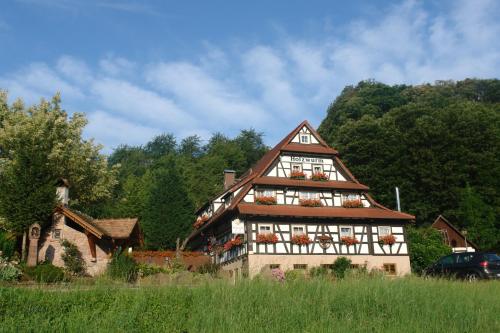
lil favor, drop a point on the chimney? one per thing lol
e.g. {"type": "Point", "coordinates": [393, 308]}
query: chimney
{"type": "Point", "coordinates": [63, 191]}
{"type": "Point", "coordinates": [229, 178]}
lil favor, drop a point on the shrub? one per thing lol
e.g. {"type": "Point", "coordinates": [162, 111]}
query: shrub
{"type": "Point", "coordinates": [123, 267]}
{"type": "Point", "coordinates": [72, 258]}
{"type": "Point", "coordinates": [341, 266]}
{"type": "Point", "coordinates": [208, 268]}
{"type": "Point", "coordinates": [147, 270]}
{"type": "Point", "coordinates": [45, 273]}
{"type": "Point", "coordinates": [278, 275]}
{"type": "Point", "coordinates": [319, 272]}
{"type": "Point", "coordinates": [7, 244]}
{"type": "Point", "coordinates": [9, 271]}
{"type": "Point", "coordinates": [425, 246]}
{"type": "Point", "coordinates": [295, 274]}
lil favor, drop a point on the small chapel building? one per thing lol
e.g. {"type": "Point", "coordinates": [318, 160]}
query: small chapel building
{"type": "Point", "coordinates": [299, 207]}
{"type": "Point", "coordinates": [97, 239]}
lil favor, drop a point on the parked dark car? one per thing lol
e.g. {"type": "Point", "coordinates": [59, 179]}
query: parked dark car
{"type": "Point", "coordinates": [467, 265]}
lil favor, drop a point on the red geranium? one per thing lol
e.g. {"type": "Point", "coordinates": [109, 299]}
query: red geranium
{"type": "Point", "coordinates": [387, 240]}
{"type": "Point", "coordinates": [267, 238]}
{"type": "Point", "coordinates": [297, 175]}
{"type": "Point", "coordinates": [310, 202]}
{"type": "Point", "coordinates": [355, 203]}
{"type": "Point", "coordinates": [236, 241]}
{"type": "Point", "coordinates": [301, 240]}
{"type": "Point", "coordinates": [319, 176]}
{"type": "Point", "coordinates": [348, 240]}
{"type": "Point", "coordinates": [265, 200]}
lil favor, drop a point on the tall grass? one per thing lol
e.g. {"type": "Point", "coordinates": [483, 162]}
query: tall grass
{"type": "Point", "coordinates": [359, 305]}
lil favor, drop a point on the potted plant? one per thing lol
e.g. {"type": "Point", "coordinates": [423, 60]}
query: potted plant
{"type": "Point", "coordinates": [301, 239]}
{"type": "Point", "coordinates": [297, 175]}
{"type": "Point", "coordinates": [236, 241]}
{"type": "Point", "coordinates": [267, 238]}
{"type": "Point", "coordinates": [387, 240]}
{"type": "Point", "coordinates": [354, 203]}
{"type": "Point", "coordinates": [349, 240]}
{"type": "Point", "coordinates": [266, 200]}
{"type": "Point", "coordinates": [319, 176]}
{"type": "Point", "coordinates": [310, 202]}
{"type": "Point", "coordinates": [200, 221]}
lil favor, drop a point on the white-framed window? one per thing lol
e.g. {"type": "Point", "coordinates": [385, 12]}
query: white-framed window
{"type": "Point", "coordinates": [350, 196]}
{"type": "Point", "coordinates": [296, 167]}
{"type": "Point", "coordinates": [308, 195]}
{"type": "Point", "coordinates": [305, 138]}
{"type": "Point", "coordinates": [317, 168]}
{"type": "Point", "coordinates": [384, 230]}
{"type": "Point", "coordinates": [346, 231]}
{"type": "Point", "coordinates": [265, 228]}
{"type": "Point", "coordinates": [298, 230]}
{"type": "Point", "coordinates": [265, 193]}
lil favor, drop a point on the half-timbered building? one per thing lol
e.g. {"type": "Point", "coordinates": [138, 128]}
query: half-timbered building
{"type": "Point", "coordinates": [297, 208]}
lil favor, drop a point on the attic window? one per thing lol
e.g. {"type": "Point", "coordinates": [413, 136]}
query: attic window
{"type": "Point", "coordinates": [304, 138]}
{"type": "Point", "coordinates": [56, 234]}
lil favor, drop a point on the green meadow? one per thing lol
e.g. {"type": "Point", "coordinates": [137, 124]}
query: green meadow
{"type": "Point", "coordinates": [316, 305]}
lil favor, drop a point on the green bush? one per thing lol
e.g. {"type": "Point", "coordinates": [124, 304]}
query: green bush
{"type": "Point", "coordinates": [7, 244]}
{"type": "Point", "coordinates": [426, 246]}
{"type": "Point", "coordinates": [123, 267]}
{"type": "Point", "coordinates": [208, 268]}
{"type": "Point", "coordinates": [9, 271]}
{"type": "Point", "coordinates": [295, 274]}
{"type": "Point", "coordinates": [73, 260]}
{"type": "Point", "coordinates": [319, 272]}
{"type": "Point", "coordinates": [45, 273]}
{"type": "Point", "coordinates": [341, 266]}
{"type": "Point", "coordinates": [147, 270]}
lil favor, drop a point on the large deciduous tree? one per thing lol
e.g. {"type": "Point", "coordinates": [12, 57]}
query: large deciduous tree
{"type": "Point", "coordinates": [38, 146]}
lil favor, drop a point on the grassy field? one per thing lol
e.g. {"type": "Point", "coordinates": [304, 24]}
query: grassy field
{"type": "Point", "coordinates": [360, 305]}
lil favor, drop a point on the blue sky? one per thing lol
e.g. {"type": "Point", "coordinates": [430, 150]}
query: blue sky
{"type": "Point", "coordinates": [140, 68]}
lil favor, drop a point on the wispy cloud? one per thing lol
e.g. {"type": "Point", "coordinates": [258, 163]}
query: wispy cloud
{"type": "Point", "coordinates": [268, 86]}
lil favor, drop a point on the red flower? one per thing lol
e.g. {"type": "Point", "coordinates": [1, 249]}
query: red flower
{"type": "Point", "coordinates": [301, 240]}
{"type": "Point", "coordinates": [265, 200]}
{"type": "Point", "coordinates": [236, 241]}
{"type": "Point", "coordinates": [267, 238]}
{"type": "Point", "coordinates": [319, 176]}
{"type": "Point", "coordinates": [355, 203]}
{"type": "Point", "coordinates": [310, 202]}
{"type": "Point", "coordinates": [348, 240]}
{"type": "Point", "coordinates": [387, 240]}
{"type": "Point", "coordinates": [297, 175]}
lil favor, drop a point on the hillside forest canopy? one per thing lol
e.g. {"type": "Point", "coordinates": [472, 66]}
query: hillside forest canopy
{"type": "Point", "coordinates": [439, 143]}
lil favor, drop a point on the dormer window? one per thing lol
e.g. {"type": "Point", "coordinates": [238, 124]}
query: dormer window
{"type": "Point", "coordinates": [304, 138]}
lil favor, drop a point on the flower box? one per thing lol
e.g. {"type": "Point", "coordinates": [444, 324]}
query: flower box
{"type": "Point", "coordinates": [265, 200]}
{"type": "Point", "coordinates": [236, 241]}
{"type": "Point", "coordinates": [387, 240]}
{"type": "Point", "coordinates": [200, 221]}
{"type": "Point", "coordinates": [297, 175]}
{"type": "Point", "coordinates": [348, 240]}
{"type": "Point", "coordinates": [319, 176]}
{"type": "Point", "coordinates": [267, 238]}
{"type": "Point", "coordinates": [356, 203]}
{"type": "Point", "coordinates": [310, 202]}
{"type": "Point", "coordinates": [301, 240]}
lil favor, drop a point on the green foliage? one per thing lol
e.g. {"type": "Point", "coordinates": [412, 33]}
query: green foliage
{"type": "Point", "coordinates": [123, 267]}
{"type": "Point", "coordinates": [72, 257]}
{"type": "Point", "coordinates": [208, 268]}
{"type": "Point", "coordinates": [8, 270]}
{"type": "Point", "coordinates": [426, 246]}
{"type": "Point", "coordinates": [45, 273]}
{"type": "Point", "coordinates": [319, 272]}
{"type": "Point", "coordinates": [38, 146]}
{"type": "Point", "coordinates": [360, 305]}
{"type": "Point", "coordinates": [340, 266]}
{"type": "Point", "coordinates": [7, 244]}
{"type": "Point", "coordinates": [295, 274]}
{"type": "Point", "coordinates": [169, 210]}
{"type": "Point", "coordinates": [148, 270]}
{"type": "Point", "coordinates": [429, 140]}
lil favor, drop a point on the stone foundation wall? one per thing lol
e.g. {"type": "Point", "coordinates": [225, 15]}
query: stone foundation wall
{"type": "Point", "coordinates": [256, 262]}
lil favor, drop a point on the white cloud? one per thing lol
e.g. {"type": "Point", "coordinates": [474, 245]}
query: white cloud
{"type": "Point", "coordinates": [74, 69]}
{"type": "Point", "coordinates": [115, 66]}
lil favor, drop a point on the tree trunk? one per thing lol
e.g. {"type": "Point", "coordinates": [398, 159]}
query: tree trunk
{"type": "Point", "coordinates": [23, 248]}
{"type": "Point", "coordinates": [177, 249]}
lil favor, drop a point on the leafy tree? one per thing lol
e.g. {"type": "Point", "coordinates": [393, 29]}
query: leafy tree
{"type": "Point", "coordinates": [169, 211]}
{"type": "Point", "coordinates": [425, 246]}
{"type": "Point", "coordinates": [38, 146]}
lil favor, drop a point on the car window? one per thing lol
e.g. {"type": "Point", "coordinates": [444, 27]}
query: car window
{"type": "Point", "coordinates": [492, 257]}
{"type": "Point", "coordinates": [448, 260]}
{"type": "Point", "coordinates": [465, 258]}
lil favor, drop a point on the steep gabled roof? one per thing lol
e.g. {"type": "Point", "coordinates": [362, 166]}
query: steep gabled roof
{"type": "Point", "coordinates": [448, 223]}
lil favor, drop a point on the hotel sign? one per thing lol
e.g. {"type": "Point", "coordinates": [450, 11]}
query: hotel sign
{"type": "Point", "coordinates": [306, 159]}
{"type": "Point", "coordinates": [237, 227]}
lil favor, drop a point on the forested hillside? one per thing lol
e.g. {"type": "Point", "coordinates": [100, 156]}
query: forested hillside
{"type": "Point", "coordinates": [439, 143]}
